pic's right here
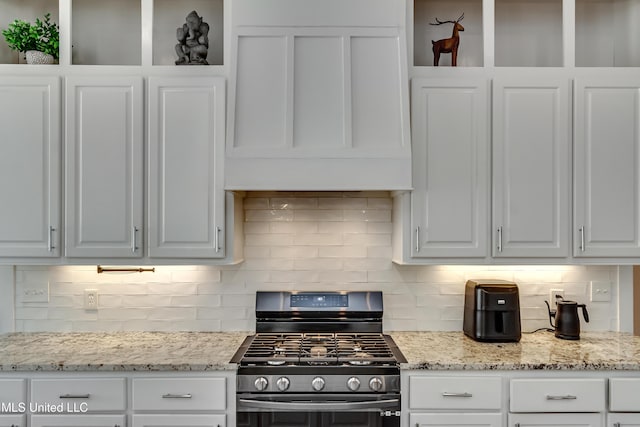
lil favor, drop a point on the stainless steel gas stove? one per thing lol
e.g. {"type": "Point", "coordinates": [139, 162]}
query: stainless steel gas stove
{"type": "Point", "coordinates": [318, 359]}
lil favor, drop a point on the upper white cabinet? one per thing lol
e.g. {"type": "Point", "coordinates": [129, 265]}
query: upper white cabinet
{"type": "Point", "coordinates": [103, 216]}
{"type": "Point", "coordinates": [30, 166]}
{"type": "Point", "coordinates": [319, 99]}
{"type": "Point", "coordinates": [186, 149]}
{"type": "Point", "coordinates": [607, 168]}
{"type": "Point", "coordinates": [531, 166]}
{"type": "Point", "coordinates": [450, 136]}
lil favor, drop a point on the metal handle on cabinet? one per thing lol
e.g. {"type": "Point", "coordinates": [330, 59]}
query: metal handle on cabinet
{"type": "Point", "coordinates": [616, 424]}
{"type": "Point", "coordinates": [564, 397]}
{"type": "Point", "coordinates": [449, 394]}
{"type": "Point", "coordinates": [134, 234]}
{"type": "Point", "coordinates": [217, 240]}
{"type": "Point", "coordinates": [517, 425]}
{"type": "Point", "coordinates": [117, 425]}
{"type": "Point", "coordinates": [500, 239]}
{"type": "Point", "coordinates": [75, 396]}
{"type": "Point", "coordinates": [582, 238]}
{"type": "Point", "coordinates": [177, 396]}
{"type": "Point", "coordinates": [50, 245]}
{"type": "Point", "coordinates": [417, 239]}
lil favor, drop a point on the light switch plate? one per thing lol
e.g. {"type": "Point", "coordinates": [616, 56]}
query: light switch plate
{"type": "Point", "coordinates": [600, 291]}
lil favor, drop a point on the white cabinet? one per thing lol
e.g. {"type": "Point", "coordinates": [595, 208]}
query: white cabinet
{"type": "Point", "coordinates": [182, 401]}
{"type": "Point", "coordinates": [30, 166]}
{"type": "Point", "coordinates": [558, 395]}
{"type": "Point", "coordinates": [556, 420]}
{"type": "Point", "coordinates": [189, 420]}
{"type": "Point", "coordinates": [453, 401]}
{"type": "Point", "coordinates": [13, 421]}
{"type": "Point", "coordinates": [450, 137]}
{"type": "Point", "coordinates": [531, 166]}
{"type": "Point", "coordinates": [78, 421]}
{"type": "Point", "coordinates": [607, 165]}
{"type": "Point", "coordinates": [623, 420]}
{"type": "Point", "coordinates": [623, 397]}
{"type": "Point", "coordinates": [186, 153]}
{"type": "Point", "coordinates": [179, 394]}
{"type": "Point", "coordinates": [455, 420]}
{"type": "Point", "coordinates": [93, 394]}
{"type": "Point", "coordinates": [104, 167]}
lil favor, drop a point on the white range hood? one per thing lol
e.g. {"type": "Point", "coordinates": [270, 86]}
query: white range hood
{"type": "Point", "coordinates": [318, 96]}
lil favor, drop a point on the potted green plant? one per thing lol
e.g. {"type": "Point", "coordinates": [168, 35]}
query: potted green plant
{"type": "Point", "coordinates": [39, 41]}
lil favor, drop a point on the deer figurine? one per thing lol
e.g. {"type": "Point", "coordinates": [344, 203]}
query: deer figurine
{"type": "Point", "coordinates": [449, 45]}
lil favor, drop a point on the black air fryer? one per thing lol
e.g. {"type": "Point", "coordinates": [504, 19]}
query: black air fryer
{"type": "Point", "coordinates": [492, 311]}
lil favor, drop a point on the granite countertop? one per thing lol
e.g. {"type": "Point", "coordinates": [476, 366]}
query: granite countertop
{"type": "Point", "coordinates": [211, 351]}
{"type": "Point", "coordinates": [537, 351]}
{"type": "Point", "coordinates": [119, 351]}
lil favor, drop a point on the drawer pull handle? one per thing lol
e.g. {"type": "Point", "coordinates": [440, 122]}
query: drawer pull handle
{"type": "Point", "coordinates": [616, 424]}
{"type": "Point", "coordinates": [75, 396]}
{"type": "Point", "coordinates": [449, 394]}
{"type": "Point", "coordinates": [177, 396]}
{"type": "Point", "coordinates": [565, 397]}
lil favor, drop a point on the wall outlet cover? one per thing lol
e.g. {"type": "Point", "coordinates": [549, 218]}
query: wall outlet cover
{"type": "Point", "coordinates": [90, 299]}
{"type": "Point", "coordinates": [600, 291]}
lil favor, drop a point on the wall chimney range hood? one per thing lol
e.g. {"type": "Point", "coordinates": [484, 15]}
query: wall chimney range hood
{"type": "Point", "coordinates": [318, 96]}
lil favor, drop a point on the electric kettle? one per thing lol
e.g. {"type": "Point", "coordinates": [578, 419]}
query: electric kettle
{"type": "Point", "coordinates": [567, 324]}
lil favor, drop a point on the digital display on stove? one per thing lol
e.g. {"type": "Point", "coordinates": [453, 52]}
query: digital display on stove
{"type": "Point", "coordinates": [319, 300]}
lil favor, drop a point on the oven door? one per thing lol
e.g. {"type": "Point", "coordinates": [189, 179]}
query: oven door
{"type": "Point", "coordinates": [318, 410]}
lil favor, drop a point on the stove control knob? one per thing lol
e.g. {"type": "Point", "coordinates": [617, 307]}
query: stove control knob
{"type": "Point", "coordinates": [283, 383]}
{"type": "Point", "coordinates": [317, 383]}
{"type": "Point", "coordinates": [375, 384]}
{"type": "Point", "coordinates": [261, 383]}
{"type": "Point", "coordinates": [353, 383]}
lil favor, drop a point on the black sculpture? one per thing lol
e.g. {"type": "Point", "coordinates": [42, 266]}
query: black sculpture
{"type": "Point", "coordinates": [193, 41]}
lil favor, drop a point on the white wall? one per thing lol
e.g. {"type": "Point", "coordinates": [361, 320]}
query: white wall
{"type": "Point", "coordinates": [310, 241]}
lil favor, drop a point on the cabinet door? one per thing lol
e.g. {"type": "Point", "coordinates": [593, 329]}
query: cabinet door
{"type": "Point", "coordinates": [623, 420]}
{"type": "Point", "coordinates": [556, 420]}
{"type": "Point", "coordinates": [607, 162]}
{"type": "Point", "coordinates": [170, 420]}
{"type": "Point", "coordinates": [455, 420]}
{"type": "Point", "coordinates": [531, 167]}
{"type": "Point", "coordinates": [78, 421]}
{"type": "Point", "coordinates": [449, 204]}
{"type": "Point", "coordinates": [186, 149]}
{"type": "Point", "coordinates": [104, 167]}
{"type": "Point", "coordinates": [30, 166]}
{"type": "Point", "coordinates": [13, 420]}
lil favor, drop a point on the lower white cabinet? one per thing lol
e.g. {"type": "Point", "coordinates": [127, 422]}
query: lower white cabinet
{"type": "Point", "coordinates": [556, 420]}
{"type": "Point", "coordinates": [624, 420]}
{"type": "Point", "coordinates": [558, 395]}
{"type": "Point", "coordinates": [455, 420]}
{"type": "Point", "coordinates": [13, 420]}
{"type": "Point", "coordinates": [179, 394]}
{"type": "Point", "coordinates": [81, 394]}
{"type": "Point", "coordinates": [172, 420]}
{"type": "Point", "coordinates": [78, 421]}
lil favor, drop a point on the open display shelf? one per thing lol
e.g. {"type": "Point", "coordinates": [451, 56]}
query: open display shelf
{"type": "Point", "coordinates": [27, 11]}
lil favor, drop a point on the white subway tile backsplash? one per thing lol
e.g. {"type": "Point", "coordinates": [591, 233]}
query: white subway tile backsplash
{"type": "Point", "coordinates": [297, 241]}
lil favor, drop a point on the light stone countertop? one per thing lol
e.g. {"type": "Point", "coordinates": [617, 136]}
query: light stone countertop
{"type": "Point", "coordinates": [539, 351]}
{"type": "Point", "coordinates": [211, 351]}
{"type": "Point", "coordinates": [119, 351]}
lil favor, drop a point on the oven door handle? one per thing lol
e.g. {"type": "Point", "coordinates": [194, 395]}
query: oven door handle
{"type": "Point", "coordinates": [326, 406]}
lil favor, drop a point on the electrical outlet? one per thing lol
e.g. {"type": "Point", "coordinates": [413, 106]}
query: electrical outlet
{"type": "Point", "coordinates": [90, 299]}
{"type": "Point", "coordinates": [552, 296]}
{"type": "Point", "coordinates": [600, 291]}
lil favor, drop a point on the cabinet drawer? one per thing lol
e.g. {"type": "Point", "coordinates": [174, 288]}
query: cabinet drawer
{"type": "Point", "coordinates": [210, 420]}
{"type": "Point", "coordinates": [98, 394]}
{"type": "Point", "coordinates": [175, 394]}
{"type": "Point", "coordinates": [78, 421]}
{"type": "Point", "coordinates": [13, 421]}
{"type": "Point", "coordinates": [558, 395]}
{"type": "Point", "coordinates": [455, 393]}
{"type": "Point", "coordinates": [623, 394]}
{"type": "Point", "coordinates": [12, 393]}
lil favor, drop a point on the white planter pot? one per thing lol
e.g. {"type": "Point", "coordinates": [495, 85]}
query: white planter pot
{"type": "Point", "coordinates": [37, 57]}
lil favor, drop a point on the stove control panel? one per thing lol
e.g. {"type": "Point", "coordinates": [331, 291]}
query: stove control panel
{"type": "Point", "coordinates": [318, 383]}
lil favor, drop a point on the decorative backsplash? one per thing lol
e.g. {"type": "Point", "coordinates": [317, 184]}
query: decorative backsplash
{"type": "Point", "coordinates": [296, 241]}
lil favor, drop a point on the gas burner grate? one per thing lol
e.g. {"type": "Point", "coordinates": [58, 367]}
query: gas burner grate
{"type": "Point", "coordinates": [277, 349]}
